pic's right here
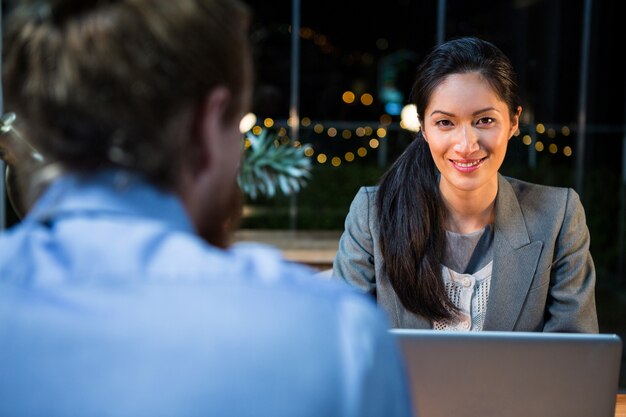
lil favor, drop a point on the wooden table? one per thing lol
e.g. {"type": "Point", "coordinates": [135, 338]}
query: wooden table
{"type": "Point", "coordinates": [316, 248]}
{"type": "Point", "coordinates": [620, 406]}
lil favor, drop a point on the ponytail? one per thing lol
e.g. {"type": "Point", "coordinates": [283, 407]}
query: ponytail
{"type": "Point", "coordinates": [412, 235]}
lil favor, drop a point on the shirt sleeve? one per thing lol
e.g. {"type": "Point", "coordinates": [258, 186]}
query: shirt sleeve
{"type": "Point", "coordinates": [354, 261]}
{"type": "Point", "coordinates": [571, 302]}
{"type": "Point", "coordinates": [374, 378]}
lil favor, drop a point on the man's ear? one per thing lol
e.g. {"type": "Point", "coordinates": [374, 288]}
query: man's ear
{"type": "Point", "coordinates": [210, 125]}
{"type": "Point", "coordinates": [201, 172]}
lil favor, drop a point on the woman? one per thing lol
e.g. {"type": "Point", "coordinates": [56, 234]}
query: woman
{"type": "Point", "coordinates": [445, 241]}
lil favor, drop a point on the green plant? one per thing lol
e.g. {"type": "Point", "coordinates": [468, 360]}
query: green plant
{"type": "Point", "coordinates": [271, 165]}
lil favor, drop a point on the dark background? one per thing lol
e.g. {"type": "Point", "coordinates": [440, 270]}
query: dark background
{"type": "Point", "coordinates": [343, 46]}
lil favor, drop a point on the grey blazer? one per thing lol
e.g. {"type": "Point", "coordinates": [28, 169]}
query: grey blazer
{"type": "Point", "coordinates": [543, 275]}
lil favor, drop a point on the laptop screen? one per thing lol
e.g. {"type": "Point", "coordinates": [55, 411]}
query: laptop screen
{"type": "Point", "coordinates": [511, 374]}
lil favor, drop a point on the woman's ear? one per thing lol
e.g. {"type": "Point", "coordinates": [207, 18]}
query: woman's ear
{"type": "Point", "coordinates": [515, 121]}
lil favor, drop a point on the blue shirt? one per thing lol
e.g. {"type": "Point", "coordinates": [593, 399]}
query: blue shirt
{"type": "Point", "coordinates": [110, 305]}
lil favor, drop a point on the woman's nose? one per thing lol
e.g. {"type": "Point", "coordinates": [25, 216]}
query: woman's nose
{"type": "Point", "coordinates": [467, 140]}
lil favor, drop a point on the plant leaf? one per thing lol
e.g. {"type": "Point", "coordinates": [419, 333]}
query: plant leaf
{"type": "Point", "coordinates": [272, 165]}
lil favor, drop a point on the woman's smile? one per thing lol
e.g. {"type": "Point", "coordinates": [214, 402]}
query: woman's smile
{"type": "Point", "coordinates": [467, 165]}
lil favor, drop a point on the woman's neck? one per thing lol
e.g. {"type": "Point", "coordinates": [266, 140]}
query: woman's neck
{"type": "Point", "coordinates": [469, 211]}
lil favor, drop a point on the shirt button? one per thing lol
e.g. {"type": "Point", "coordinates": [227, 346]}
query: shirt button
{"type": "Point", "coordinates": [466, 282]}
{"type": "Point", "coordinates": [465, 324]}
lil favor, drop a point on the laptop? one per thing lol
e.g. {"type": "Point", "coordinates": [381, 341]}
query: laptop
{"type": "Point", "coordinates": [511, 374]}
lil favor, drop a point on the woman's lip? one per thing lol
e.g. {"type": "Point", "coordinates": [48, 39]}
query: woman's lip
{"type": "Point", "coordinates": [467, 165]}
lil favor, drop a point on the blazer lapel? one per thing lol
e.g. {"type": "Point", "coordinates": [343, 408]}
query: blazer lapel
{"type": "Point", "coordinates": [515, 260]}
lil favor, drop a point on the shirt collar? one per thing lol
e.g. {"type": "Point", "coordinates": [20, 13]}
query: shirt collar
{"type": "Point", "coordinates": [109, 192]}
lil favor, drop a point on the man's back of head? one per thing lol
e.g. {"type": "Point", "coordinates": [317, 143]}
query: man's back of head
{"type": "Point", "coordinates": [118, 293]}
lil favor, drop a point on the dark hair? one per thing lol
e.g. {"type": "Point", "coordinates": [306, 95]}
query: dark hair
{"type": "Point", "coordinates": [109, 82]}
{"type": "Point", "coordinates": [411, 212]}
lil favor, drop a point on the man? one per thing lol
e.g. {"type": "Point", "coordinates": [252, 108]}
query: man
{"type": "Point", "coordinates": [118, 294]}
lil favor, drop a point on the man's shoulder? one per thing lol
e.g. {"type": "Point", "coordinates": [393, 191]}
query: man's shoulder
{"type": "Point", "coordinates": [264, 266]}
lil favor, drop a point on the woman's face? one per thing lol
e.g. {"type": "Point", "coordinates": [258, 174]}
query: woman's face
{"type": "Point", "coordinates": [467, 127]}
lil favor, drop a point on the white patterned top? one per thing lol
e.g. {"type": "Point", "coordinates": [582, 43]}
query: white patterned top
{"type": "Point", "coordinates": [470, 293]}
{"type": "Point", "coordinates": [472, 255]}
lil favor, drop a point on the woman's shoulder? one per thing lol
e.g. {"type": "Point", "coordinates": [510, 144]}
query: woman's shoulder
{"type": "Point", "coordinates": [542, 197]}
{"type": "Point", "coordinates": [368, 189]}
{"type": "Point", "coordinates": [364, 197]}
{"type": "Point", "coordinates": [366, 193]}
{"type": "Point", "coordinates": [523, 188]}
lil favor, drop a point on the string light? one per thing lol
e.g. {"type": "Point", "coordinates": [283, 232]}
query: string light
{"type": "Point", "coordinates": [367, 99]}
{"type": "Point", "coordinates": [325, 45]}
{"type": "Point", "coordinates": [247, 122]}
{"type": "Point", "coordinates": [348, 97]}
{"type": "Point", "coordinates": [373, 141]}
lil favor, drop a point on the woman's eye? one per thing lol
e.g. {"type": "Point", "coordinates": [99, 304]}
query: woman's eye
{"type": "Point", "coordinates": [444, 123]}
{"type": "Point", "coordinates": [485, 121]}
